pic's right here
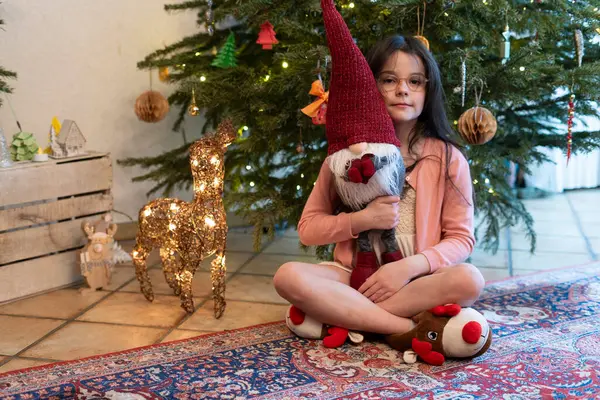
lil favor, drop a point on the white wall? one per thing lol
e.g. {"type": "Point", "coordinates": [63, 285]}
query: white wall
{"type": "Point", "coordinates": [76, 59]}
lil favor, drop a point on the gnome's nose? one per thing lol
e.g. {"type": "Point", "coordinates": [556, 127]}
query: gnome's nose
{"type": "Point", "coordinates": [358, 148]}
{"type": "Point", "coordinates": [471, 332]}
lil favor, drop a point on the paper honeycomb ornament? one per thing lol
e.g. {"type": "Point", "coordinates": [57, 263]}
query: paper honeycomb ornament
{"type": "Point", "coordinates": [477, 125]}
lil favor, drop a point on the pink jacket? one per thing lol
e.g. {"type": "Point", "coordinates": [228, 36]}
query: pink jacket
{"type": "Point", "coordinates": [444, 219]}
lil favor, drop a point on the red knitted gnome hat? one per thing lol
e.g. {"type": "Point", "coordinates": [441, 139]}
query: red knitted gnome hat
{"type": "Point", "coordinates": [355, 110]}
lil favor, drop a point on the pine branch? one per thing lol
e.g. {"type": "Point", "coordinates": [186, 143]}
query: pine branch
{"type": "Point", "coordinates": [5, 74]}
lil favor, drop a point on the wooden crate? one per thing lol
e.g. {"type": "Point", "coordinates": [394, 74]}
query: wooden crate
{"type": "Point", "coordinates": [42, 206]}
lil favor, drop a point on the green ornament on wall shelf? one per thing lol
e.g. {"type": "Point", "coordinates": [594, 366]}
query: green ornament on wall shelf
{"type": "Point", "coordinates": [23, 146]}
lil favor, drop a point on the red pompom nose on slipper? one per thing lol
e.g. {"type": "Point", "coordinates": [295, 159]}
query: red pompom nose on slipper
{"type": "Point", "coordinates": [471, 332]}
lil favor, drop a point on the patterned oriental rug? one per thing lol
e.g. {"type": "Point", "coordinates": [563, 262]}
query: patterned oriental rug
{"type": "Point", "coordinates": [546, 345]}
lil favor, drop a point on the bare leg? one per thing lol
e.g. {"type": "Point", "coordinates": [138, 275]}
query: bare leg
{"type": "Point", "coordinates": [322, 292]}
{"type": "Point", "coordinates": [461, 284]}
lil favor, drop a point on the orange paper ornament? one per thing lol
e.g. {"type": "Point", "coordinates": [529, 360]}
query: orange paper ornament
{"type": "Point", "coordinates": [477, 125]}
{"type": "Point", "coordinates": [151, 106]}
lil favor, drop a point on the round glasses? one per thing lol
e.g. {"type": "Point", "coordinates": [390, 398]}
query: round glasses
{"type": "Point", "coordinates": [415, 82]}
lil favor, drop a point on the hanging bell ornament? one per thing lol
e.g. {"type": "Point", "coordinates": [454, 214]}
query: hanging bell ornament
{"type": "Point", "coordinates": [193, 109]}
{"type": "Point", "coordinates": [505, 45]}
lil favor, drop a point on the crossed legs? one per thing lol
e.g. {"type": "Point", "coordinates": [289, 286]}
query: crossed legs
{"type": "Point", "coordinates": [323, 292]}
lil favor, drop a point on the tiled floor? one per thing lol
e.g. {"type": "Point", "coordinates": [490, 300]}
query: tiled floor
{"type": "Point", "coordinates": [66, 324]}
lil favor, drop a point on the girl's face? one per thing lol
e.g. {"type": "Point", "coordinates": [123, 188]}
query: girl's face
{"type": "Point", "coordinates": [403, 85]}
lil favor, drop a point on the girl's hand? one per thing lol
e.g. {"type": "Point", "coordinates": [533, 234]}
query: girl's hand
{"type": "Point", "coordinates": [392, 277]}
{"type": "Point", "coordinates": [381, 213]}
{"type": "Point", "coordinates": [384, 283]}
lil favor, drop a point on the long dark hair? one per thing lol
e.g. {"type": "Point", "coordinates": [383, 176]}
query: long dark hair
{"type": "Point", "coordinates": [433, 121]}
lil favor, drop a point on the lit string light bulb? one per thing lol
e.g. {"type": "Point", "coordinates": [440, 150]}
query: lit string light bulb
{"type": "Point", "coordinates": [210, 222]}
{"type": "Point", "coordinates": [187, 233]}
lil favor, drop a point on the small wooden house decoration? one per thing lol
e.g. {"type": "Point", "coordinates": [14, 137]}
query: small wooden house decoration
{"type": "Point", "coordinates": [69, 142]}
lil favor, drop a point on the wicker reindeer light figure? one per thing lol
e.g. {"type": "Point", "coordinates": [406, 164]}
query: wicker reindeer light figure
{"type": "Point", "coordinates": [189, 232]}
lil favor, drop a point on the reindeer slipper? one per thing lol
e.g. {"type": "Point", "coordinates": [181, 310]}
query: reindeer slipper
{"type": "Point", "coordinates": [444, 331]}
{"type": "Point", "coordinates": [307, 327]}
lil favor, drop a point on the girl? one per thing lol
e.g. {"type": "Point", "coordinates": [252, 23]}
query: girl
{"type": "Point", "coordinates": [433, 219]}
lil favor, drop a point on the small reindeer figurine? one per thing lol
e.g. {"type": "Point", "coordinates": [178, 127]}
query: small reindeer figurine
{"type": "Point", "coordinates": [188, 232]}
{"type": "Point", "coordinates": [97, 257]}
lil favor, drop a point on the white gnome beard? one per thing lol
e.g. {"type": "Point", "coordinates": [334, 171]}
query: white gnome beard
{"type": "Point", "coordinates": [385, 182]}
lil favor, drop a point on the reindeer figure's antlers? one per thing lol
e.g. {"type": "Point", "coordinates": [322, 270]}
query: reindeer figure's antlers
{"type": "Point", "coordinates": [88, 228]}
{"type": "Point", "coordinates": [112, 229]}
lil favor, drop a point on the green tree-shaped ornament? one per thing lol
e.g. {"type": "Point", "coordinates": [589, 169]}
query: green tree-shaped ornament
{"type": "Point", "coordinates": [226, 57]}
{"type": "Point", "coordinates": [23, 146]}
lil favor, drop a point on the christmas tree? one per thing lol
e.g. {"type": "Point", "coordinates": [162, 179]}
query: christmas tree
{"type": "Point", "coordinates": [5, 74]}
{"type": "Point", "coordinates": [520, 54]}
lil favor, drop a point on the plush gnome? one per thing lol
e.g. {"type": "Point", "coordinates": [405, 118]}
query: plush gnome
{"type": "Point", "coordinates": [364, 152]}
{"type": "Point", "coordinates": [363, 155]}
{"type": "Point", "coordinates": [442, 332]}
